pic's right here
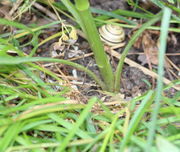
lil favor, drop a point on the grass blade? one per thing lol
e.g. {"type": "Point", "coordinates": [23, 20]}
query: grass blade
{"type": "Point", "coordinates": [163, 37]}
{"type": "Point", "coordinates": [9, 136]}
{"type": "Point", "coordinates": [18, 60]}
{"type": "Point", "coordinates": [68, 125]}
{"type": "Point", "coordinates": [136, 119]}
{"type": "Point", "coordinates": [127, 48]}
{"type": "Point", "coordinates": [81, 119]}
{"type": "Point", "coordinates": [111, 14]}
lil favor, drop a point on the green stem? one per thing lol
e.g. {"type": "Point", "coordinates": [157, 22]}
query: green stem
{"type": "Point", "coordinates": [163, 39]}
{"type": "Point", "coordinates": [128, 46]}
{"type": "Point", "coordinates": [19, 60]}
{"type": "Point", "coordinates": [93, 38]}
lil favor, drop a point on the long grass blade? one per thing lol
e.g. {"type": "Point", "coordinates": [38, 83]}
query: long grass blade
{"type": "Point", "coordinates": [136, 119]}
{"type": "Point", "coordinates": [127, 48]}
{"type": "Point", "coordinates": [163, 38]}
{"type": "Point", "coordinates": [18, 60]}
{"type": "Point", "coordinates": [81, 119]}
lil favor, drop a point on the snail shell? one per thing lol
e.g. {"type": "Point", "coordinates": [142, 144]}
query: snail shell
{"type": "Point", "coordinates": [112, 34]}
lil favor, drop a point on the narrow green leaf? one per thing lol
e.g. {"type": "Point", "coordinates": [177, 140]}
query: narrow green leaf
{"type": "Point", "coordinates": [18, 60]}
{"type": "Point", "coordinates": [164, 145]}
{"type": "Point", "coordinates": [163, 38]}
{"type": "Point", "coordinates": [9, 136]}
{"type": "Point", "coordinates": [68, 125]}
{"type": "Point", "coordinates": [78, 123]}
{"type": "Point", "coordinates": [136, 119]}
{"type": "Point", "coordinates": [127, 48]}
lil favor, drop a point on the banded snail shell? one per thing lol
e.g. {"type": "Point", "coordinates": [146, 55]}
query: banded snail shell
{"type": "Point", "coordinates": [112, 34]}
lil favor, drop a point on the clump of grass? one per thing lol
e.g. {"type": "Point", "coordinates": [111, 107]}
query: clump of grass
{"type": "Point", "coordinates": [34, 118]}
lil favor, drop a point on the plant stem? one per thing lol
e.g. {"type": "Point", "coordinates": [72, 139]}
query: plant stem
{"type": "Point", "coordinates": [93, 38]}
{"type": "Point", "coordinates": [128, 46]}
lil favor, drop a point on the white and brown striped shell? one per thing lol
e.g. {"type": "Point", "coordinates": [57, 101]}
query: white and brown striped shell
{"type": "Point", "coordinates": [112, 35]}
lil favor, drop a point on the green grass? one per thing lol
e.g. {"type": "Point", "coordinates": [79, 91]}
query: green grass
{"type": "Point", "coordinates": [33, 117]}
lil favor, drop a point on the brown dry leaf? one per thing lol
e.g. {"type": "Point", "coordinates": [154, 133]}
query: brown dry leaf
{"type": "Point", "coordinates": [138, 43]}
{"type": "Point", "coordinates": [150, 48]}
{"type": "Point", "coordinates": [149, 45]}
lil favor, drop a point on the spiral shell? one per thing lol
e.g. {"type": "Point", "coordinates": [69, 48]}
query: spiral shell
{"type": "Point", "coordinates": [112, 34]}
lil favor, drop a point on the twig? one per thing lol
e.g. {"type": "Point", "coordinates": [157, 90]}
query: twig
{"type": "Point", "coordinates": [15, 7]}
{"type": "Point", "coordinates": [45, 11]}
{"type": "Point", "coordinates": [145, 70]}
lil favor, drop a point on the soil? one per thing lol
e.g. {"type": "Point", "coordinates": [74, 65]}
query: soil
{"type": "Point", "coordinates": [109, 5]}
{"type": "Point", "coordinates": [134, 81]}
